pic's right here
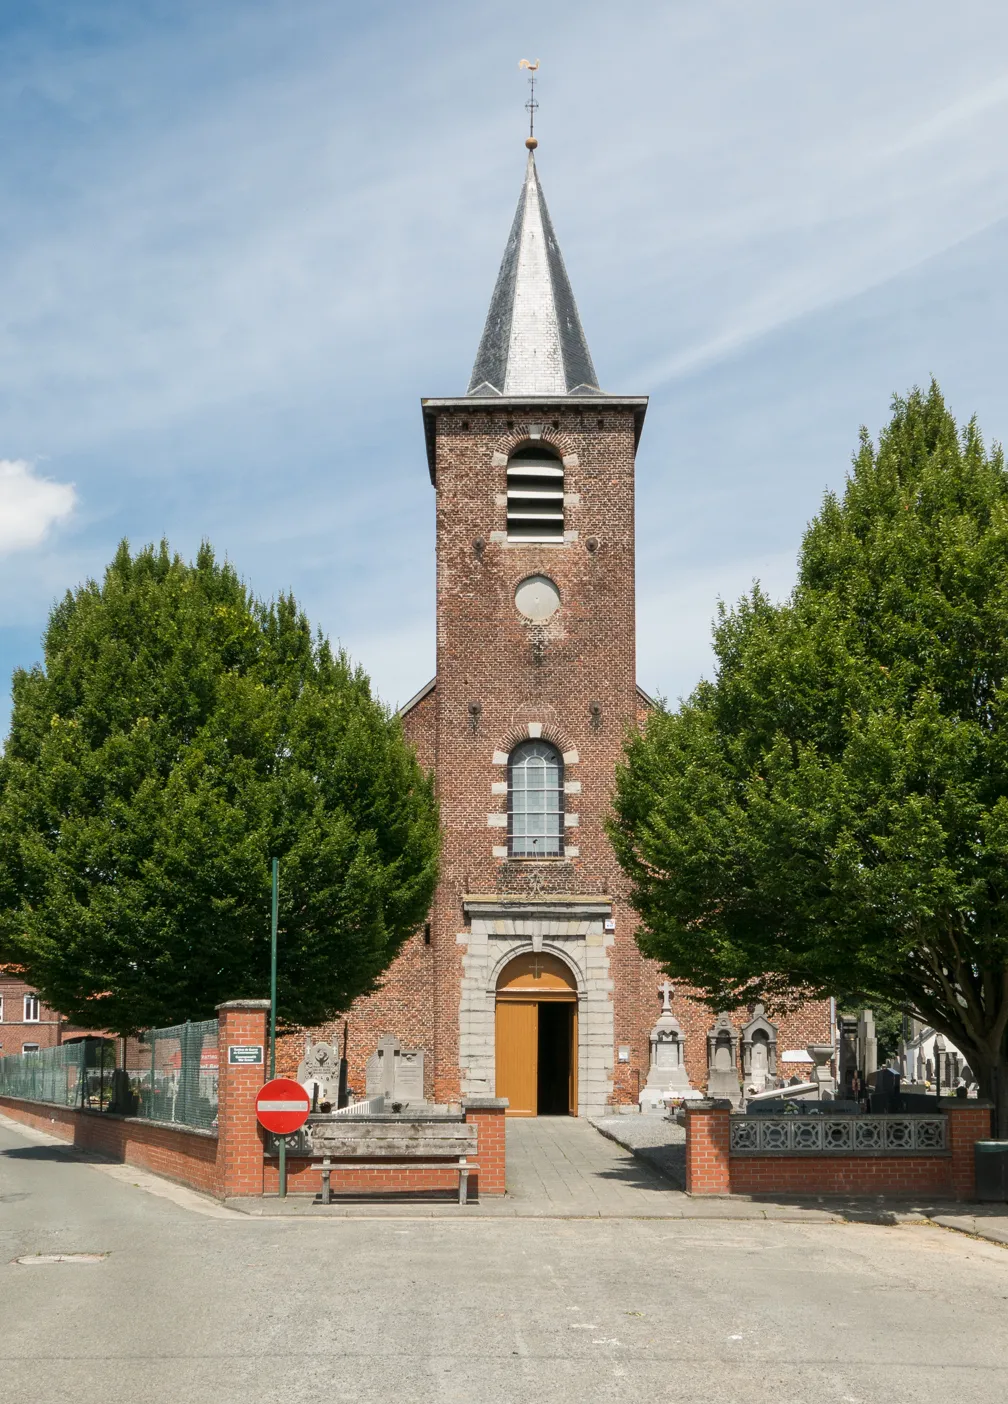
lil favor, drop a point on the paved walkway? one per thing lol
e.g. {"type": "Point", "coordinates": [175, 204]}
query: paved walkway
{"type": "Point", "coordinates": [562, 1165]}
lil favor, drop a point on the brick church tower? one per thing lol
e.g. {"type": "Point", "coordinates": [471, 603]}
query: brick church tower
{"type": "Point", "coordinates": [535, 971]}
{"type": "Point", "coordinates": [527, 982]}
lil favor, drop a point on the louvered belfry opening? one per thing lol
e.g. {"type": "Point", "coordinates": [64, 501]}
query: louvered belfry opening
{"type": "Point", "coordinates": [535, 495]}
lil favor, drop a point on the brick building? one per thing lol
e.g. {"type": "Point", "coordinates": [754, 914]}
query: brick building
{"type": "Point", "coordinates": [527, 981]}
{"type": "Point", "coordinates": [26, 1024]}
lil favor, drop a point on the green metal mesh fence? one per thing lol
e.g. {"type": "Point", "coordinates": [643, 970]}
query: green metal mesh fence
{"type": "Point", "coordinates": [55, 1075]}
{"type": "Point", "coordinates": [173, 1074]}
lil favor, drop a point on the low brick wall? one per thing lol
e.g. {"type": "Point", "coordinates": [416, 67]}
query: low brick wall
{"type": "Point", "coordinates": [304, 1176]}
{"type": "Point", "coordinates": [220, 1163]}
{"type": "Point", "coordinates": [178, 1153]}
{"type": "Point", "coordinates": [901, 1177]}
{"type": "Point", "coordinates": [232, 1163]}
{"type": "Point", "coordinates": [712, 1169]}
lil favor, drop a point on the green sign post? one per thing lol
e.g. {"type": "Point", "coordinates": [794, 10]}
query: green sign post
{"type": "Point", "coordinates": [282, 1142]}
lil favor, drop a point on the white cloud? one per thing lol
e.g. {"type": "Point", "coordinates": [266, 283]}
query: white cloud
{"type": "Point", "coordinates": [29, 505]}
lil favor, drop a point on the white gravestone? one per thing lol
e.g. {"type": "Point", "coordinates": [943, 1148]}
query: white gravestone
{"type": "Point", "coordinates": [667, 1073]}
{"type": "Point", "coordinates": [396, 1073]}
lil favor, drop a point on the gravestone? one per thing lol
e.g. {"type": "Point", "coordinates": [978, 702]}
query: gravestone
{"type": "Point", "coordinates": [318, 1074]}
{"type": "Point", "coordinates": [759, 1051]}
{"type": "Point", "coordinates": [722, 1060]}
{"type": "Point", "coordinates": [867, 1046]}
{"type": "Point", "coordinates": [395, 1072]}
{"type": "Point", "coordinates": [667, 1074]}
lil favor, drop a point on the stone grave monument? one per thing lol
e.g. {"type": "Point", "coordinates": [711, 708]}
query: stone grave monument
{"type": "Point", "coordinates": [822, 1072]}
{"type": "Point", "coordinates": [867, 1046]}
{"type": "Point", "coordinates": [667, 1074]}
{"type": "Point", "coordinates": [759, 1052]}
{"type": "Point", "coordinates": [318, 1074]}
{"type": "Point", "coordinates": [722, 1060]}
{"type": "Point", "coordinates": [396, 1073]}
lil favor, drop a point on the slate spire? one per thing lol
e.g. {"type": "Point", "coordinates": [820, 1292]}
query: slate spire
{"type": "Point", "coordinates": [532, 343]}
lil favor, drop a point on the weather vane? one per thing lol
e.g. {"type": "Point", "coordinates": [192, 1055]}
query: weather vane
{"type": "Point", "coordinates": [531, 107]}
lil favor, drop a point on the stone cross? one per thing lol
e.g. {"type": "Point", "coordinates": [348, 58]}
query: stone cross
{"type": "Point", "coordinates": [666, 991]}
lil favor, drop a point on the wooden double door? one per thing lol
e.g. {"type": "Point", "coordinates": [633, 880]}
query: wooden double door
{"type": "Point", "coordinates": [537, 1038]}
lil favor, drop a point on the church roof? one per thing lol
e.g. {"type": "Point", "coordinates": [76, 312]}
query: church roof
{"type": "Point", "coordinates": [533, 343]}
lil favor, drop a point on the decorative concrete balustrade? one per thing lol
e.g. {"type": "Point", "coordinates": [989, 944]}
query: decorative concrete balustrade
{"type": "Point", "coordinates": [837, 1135]}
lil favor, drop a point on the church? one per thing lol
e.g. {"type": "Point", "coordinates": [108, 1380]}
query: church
{"type": "Point", "coordinates": [526, 982]}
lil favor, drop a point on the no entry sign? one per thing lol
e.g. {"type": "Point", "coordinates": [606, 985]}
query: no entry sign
{"type": "Point", "coordinates": [282, 1106]}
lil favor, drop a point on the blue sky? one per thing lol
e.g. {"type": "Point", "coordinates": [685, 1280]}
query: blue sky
{"type": "Point", "coordinates": [239, 241]}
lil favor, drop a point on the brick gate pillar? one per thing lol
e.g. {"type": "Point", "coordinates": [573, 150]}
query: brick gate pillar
{"type": "Point", "coordinates": [708, 1133]}
{"type": "Point", "coordinates": [241, 1023]}
{"type": "Point", "coordinates": [968, 1122]}
{"type": "Point", "coordinates": [487, 1114]}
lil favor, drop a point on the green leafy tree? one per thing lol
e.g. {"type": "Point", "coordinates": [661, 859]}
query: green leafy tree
{"type": "Point", "coordinates": [831, 812]}
{"type": "Point", "coordinates": [180, 734]}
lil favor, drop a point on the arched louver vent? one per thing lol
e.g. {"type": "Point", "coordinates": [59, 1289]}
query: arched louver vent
{"type": "Point", "coordinates": [535, 496]}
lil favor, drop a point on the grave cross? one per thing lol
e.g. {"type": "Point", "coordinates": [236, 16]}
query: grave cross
{"type": "Point", "coordinates": [666, 991]}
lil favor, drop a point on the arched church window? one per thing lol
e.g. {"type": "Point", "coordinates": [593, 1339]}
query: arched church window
{"type": "Point", "coordinates": [535, 495]}
{"type": "Point", "coordinates": [535, 801]}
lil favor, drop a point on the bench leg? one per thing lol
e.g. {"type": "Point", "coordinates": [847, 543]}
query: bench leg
{"type": "Point", "coordinates": [326, 1171]}
{"type": "Point", "coordinates": [463, 1181]}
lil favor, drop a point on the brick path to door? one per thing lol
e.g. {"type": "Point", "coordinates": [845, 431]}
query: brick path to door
{"type": "Point", "coordinates": [559, 1165]}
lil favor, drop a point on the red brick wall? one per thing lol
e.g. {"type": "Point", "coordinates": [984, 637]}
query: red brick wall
{"type": "Point", "coordinates": [903, 1177]}
{"type": "Point", "coordinates": [189, 1157]}
{"type": "Point", "coordinates": [707, 1165]}
{"type": "Point", "coordinates": [711, 1170]}
{"type": "Point", "coordinates": [228, 1163]}
{"type": "Point", "coordinates": [240, 1171]}
{"type": "Point", "coordinates": [393, 1176]}
{"type": "Point", "coordinates": [232, 1163]}
{"type": "Point", "coordinates": [966, 1125]}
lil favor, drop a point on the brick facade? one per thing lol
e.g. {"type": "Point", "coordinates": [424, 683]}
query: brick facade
{"type": "Point", "coordinates": [15, 1029]}
{"type": "Point", "coordinates": [47, 1031]}
{"type": "Point", "coordinates": [500, 679]}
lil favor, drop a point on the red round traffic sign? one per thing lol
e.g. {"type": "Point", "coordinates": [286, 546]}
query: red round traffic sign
{"type": "Point", "coordinates": [282, 1106]}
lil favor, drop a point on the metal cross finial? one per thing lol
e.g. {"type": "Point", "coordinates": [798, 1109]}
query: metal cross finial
{"type": "Point", "coordinates": [531, 107]}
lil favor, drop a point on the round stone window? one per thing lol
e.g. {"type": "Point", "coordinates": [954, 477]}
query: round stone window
{"type": "Point", "coordinates": [537, 598]}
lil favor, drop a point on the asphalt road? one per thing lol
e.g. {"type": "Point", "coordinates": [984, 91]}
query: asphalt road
{"type": "Point", "coordinates": [210, 1306]}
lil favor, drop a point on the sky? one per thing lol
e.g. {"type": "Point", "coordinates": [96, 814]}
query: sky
{"type": "Point", "coordinates": [239, 241]}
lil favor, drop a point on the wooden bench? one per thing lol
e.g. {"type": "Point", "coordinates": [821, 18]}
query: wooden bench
{"type": "Point", "coordinates": [369, 1143]}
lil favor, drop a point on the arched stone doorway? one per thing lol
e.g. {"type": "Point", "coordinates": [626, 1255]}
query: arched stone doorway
{"type": "Point", "coordinates": [537, 1036]}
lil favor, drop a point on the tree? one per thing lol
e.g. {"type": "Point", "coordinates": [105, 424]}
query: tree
{"type": "Point", "coordinates": [180, 734]}
{"type": "Point", "coordinates": [831, 812]}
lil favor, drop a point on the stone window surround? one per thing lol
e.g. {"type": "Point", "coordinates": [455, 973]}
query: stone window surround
{"type": "Point", "coordinates": [562, 445]}
{"type": "Point", "coordinates": [497, 819]}
{"type": "Point", "coordinates": [568, 926]}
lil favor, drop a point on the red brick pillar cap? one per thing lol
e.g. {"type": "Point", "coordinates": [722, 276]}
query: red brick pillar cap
{"type": "Point", "coordinates": [244, 1004]}
{"type": "Point", "coordinates": [488, 1104]}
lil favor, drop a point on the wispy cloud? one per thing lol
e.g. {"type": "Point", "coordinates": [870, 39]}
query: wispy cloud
{"type": "Point", "coordinates": [250, 236]}
{"type": "Point", "coordinates": [29, 505]}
